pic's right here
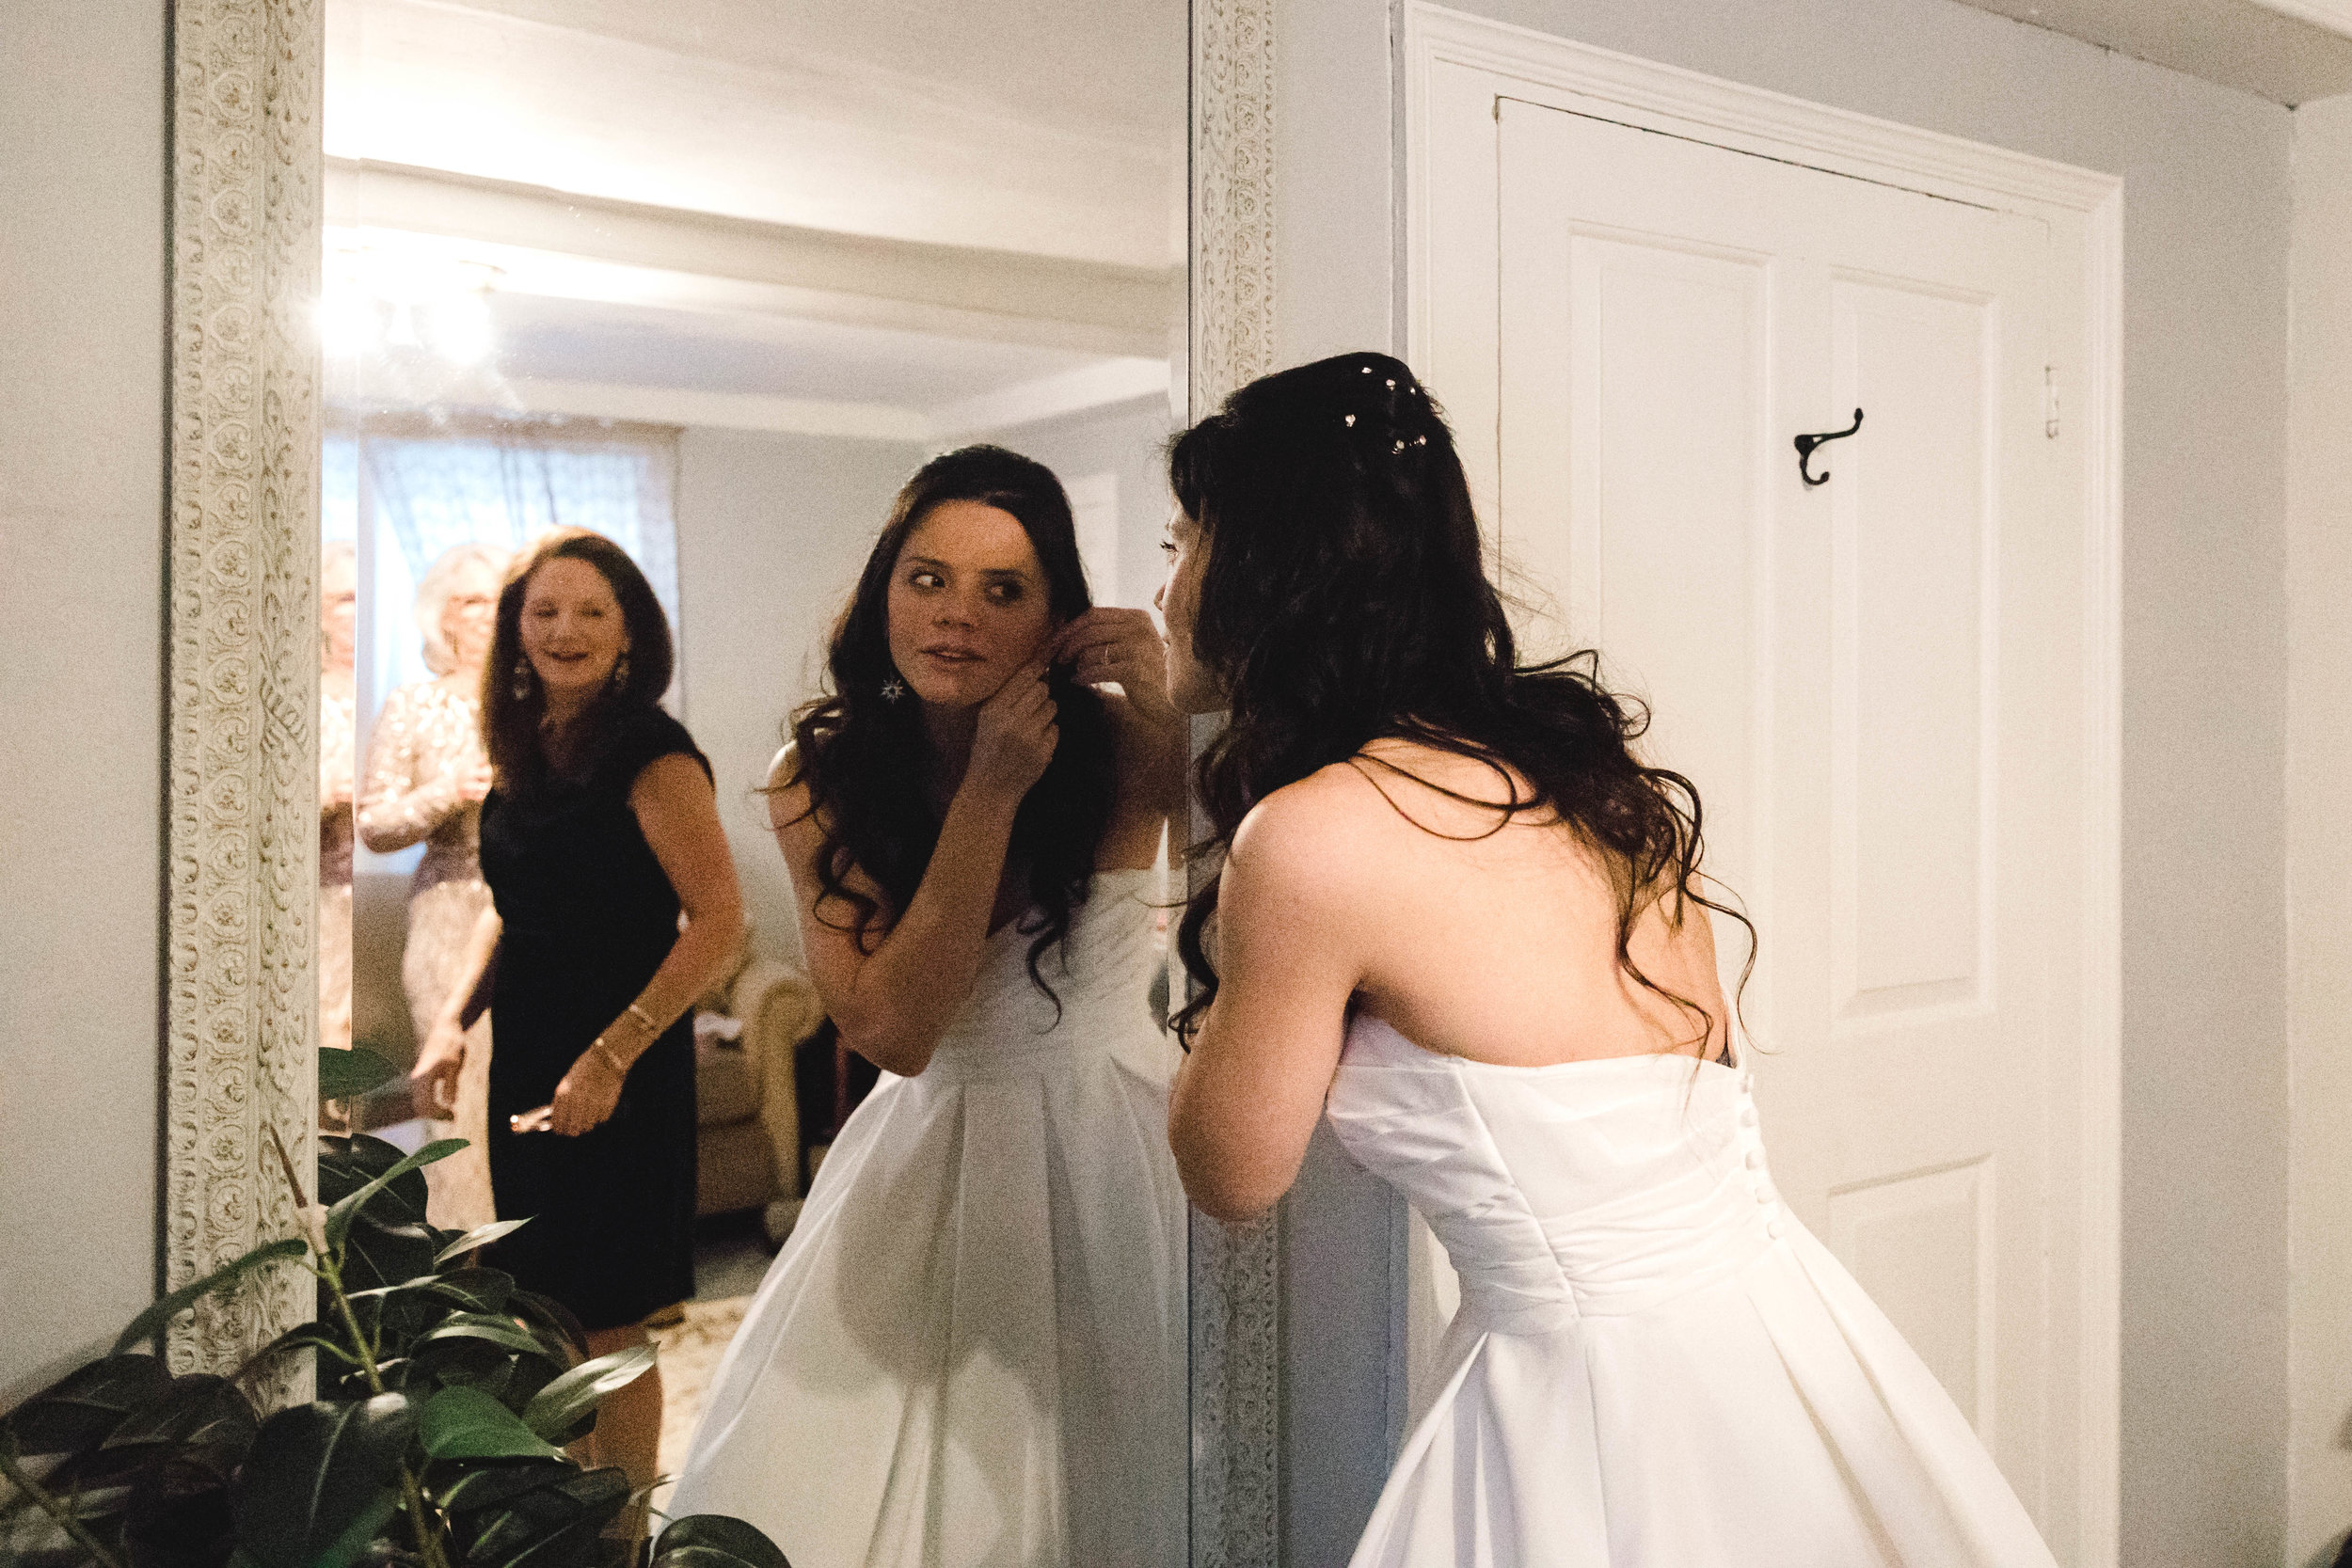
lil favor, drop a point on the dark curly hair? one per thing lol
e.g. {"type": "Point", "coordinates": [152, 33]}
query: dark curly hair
{"type": "Point", "coordinates": [511, 720]}
{"type": "Point", "coordinates": [863, 760]}
{"type": "Point", "coordinates": [1345, 600]}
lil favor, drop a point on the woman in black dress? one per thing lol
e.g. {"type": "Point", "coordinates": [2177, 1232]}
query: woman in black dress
{"type": "Point", "coordinates": [601, 828]}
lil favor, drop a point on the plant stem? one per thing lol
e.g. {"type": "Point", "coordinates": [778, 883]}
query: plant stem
{"type": "Point", "coordinates": [421, 1518]}
{"type": "Point", "coordinates": [56, 1510]}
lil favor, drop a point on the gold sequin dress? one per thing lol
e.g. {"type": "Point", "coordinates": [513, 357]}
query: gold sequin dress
{"type": "Point", "coordinates": [424, 743]}
{"type": "Point", "coordinates": [336, 763]}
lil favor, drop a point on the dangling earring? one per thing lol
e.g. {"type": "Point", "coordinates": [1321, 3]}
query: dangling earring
{"type": "Point", "coordinates": [522, 678]}
{"type": "Point", "coordinates": [892, 688]}
{"type": "Point", "coordinates": [620, 669]}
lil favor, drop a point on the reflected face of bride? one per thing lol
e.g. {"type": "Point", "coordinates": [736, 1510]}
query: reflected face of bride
{"type": "Point", "coordinates": [1190, 686]}
{"type": "Point", "coordinates": [573, 631]}
{"type": "Point", "coordinates": [969, 603]}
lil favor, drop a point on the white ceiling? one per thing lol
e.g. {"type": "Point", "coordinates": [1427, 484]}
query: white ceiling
{"type": "Point", "coordinates": [1049, 127]}
{"type": "Point", "coordinates": [2287, 50]}
{"type": "Point", "coordinates": [866, 217]}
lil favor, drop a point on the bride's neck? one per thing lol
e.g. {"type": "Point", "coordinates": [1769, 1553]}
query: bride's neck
{"type": "Point", "coordinates": [950, 732]}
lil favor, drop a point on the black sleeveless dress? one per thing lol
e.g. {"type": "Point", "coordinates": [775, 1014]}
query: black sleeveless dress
{"type": "Point", "coordinates": [588, 914]}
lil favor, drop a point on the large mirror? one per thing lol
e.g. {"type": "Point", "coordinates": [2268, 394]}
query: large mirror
{"type": "Point", "coordinates": [848, 337]}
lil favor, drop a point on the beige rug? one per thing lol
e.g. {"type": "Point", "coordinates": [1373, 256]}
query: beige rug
{"type": "Point", "coordinates": [690, 1349]}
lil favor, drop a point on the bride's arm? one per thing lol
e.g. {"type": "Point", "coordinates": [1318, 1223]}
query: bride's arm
{"type": "Point", "coordinates": [1288, 957]}
{"type": "Point", "coordinates": [892, 999]}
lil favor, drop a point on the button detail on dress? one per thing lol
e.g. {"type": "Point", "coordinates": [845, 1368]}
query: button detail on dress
{"type": "Point", "coordinates": [1756, 1159]}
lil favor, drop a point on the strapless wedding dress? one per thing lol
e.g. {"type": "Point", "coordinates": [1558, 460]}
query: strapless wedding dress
{"type": "Point", "coordinates": [1654, 1365]}
{"type": "Point", "coordinates": [971, 1352]}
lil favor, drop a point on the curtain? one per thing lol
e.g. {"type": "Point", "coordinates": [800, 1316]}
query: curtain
{"type": "Point", "coordinates": [420, 485]}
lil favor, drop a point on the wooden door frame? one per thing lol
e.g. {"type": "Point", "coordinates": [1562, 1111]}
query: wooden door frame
{"type": "Point", "coordinates": [2085, 210]}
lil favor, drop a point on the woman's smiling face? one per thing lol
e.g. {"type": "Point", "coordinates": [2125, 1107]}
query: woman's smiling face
{"type": "Point", "coordinates": [969, 603]}
{"type": "Point", "coordinates": [572, 627]}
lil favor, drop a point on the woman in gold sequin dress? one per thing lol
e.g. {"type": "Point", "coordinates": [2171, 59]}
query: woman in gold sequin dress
{"type": "Point", "coordinates": [426, 778]}
{"type": "Point", "coordinates": [338, 627]}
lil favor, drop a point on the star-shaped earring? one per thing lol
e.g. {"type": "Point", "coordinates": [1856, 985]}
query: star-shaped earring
{"type": "Point", "coordinates": [892, 688]}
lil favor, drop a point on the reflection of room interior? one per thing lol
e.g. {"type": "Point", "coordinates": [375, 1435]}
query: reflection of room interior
{"type": "Point", "coordinates": [651, 244]}
{"type": "Point", "coordinates": [588, 274]}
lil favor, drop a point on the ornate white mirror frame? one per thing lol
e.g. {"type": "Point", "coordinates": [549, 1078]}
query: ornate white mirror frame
{"type": "Point", "coordinates": [242, 836]}
{"type": "Point", "coordinates": [1234, 1288]}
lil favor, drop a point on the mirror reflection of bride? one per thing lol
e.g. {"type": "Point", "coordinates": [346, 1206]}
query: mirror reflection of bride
{"type": "Point", "coordinates": [971, 1349]}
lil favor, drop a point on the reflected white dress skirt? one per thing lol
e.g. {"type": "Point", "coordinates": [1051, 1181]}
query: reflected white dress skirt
{"type": "Point", "coordinates": [971, 1350]}
{"type": "Point", "coordinates": [1655, 1365]}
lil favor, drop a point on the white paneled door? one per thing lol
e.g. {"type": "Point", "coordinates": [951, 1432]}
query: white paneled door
{"type": "Point", "coordinates": [1875, 682]}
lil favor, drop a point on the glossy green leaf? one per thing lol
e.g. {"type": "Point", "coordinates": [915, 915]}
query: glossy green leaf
{"type": "Point", "coordinates": [467, 1423]}
{"type": "Point", "coordinates": [346, 1165]}
{"type": "Point", "coordinates": [715, 1541]}
{"type": "Point", "coordinates": [345, 1073]}
{"type": "Point", "coordinates": [549, 1526]}
{"type": "Point", "coordinates": [468, 1487]}
{"type": "Point", "coordinates": [376, 1254]}
{"type": "Point", "coordinates": [320, 1479]}
{"type": "Point", "coordinates": [152, 1323]}
{"type": "Point", "coordinates": [199, 1411]}
{"type": "Point", "coordinates": [503, 1332]}
{"type": "Point", "coordinates": [564, 1410]}
{"type": "Point", "coordinates": [479, 1236]}
{"type": "Point", "coordinates": [546, 1312]}
{"type": "Point", "coordinates": [79, 1409]}
{"type": "Point", "coordinates": [339, 1218]}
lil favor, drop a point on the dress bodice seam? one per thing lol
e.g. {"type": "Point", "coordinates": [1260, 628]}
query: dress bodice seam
{"type": "Point", "coordinates": [1492, 1149]}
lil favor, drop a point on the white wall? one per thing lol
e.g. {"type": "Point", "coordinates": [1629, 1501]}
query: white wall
{"type": "Point", "coordinates": [2205, 175]}
{"type": "Point", "coordinates": [772, 532]}
{"type": "Point", "coordinates": [2319, 825]}
{"type": "Point", "coordinates": [1125, 439]}
{"type": "Point", "coordinates": [82, 296]}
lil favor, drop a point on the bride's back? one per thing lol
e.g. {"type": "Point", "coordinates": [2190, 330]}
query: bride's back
{"type": "Point", "coordinates": [1496, 940]}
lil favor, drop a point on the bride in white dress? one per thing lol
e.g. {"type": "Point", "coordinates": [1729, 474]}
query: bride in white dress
{"type": "Point", "coordinates": [971, 1350]}
{"type": "Point", "coordinates": [1460, 917]}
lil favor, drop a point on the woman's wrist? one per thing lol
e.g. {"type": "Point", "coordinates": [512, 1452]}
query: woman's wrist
{"type": "Point", "coordinates": [982, 807]}
{"type": "Point", "coordinates": [626, 1038]}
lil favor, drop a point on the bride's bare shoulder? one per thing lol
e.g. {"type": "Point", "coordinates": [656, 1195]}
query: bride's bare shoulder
{"type": "Point", "coordinates": [1315, 832]}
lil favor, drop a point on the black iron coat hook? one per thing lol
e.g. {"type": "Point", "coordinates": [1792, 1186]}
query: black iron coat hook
{"type": "Point", "coordinates": [1806, 443]}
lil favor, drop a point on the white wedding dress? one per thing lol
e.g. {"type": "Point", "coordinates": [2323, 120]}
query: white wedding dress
{"type": "Point", "coordinates": [1654, 1365]}
{"type": "Point", "coordinates": [971, 1352]}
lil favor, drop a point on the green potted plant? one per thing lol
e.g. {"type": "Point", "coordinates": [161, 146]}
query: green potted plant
{"type": "Point", "coordinates": [445, 1399]}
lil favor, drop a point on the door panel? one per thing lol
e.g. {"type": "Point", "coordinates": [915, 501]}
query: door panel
{"type": "Point", "coordinates": [1910, 517]}
{"type": "Point", "coordinates": [1869, 680]}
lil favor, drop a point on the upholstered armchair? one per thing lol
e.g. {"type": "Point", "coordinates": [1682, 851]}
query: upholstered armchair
{"type": "Point", "coordinates": [749, 1137]}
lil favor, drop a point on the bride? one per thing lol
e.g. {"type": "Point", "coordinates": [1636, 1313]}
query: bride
{"type": "Point", "coordinates": [971, 1350]}
{"type": "Point", "coordinates": [1460, 917]}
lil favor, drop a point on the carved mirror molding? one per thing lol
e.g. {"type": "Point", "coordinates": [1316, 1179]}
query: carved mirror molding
{"type": "Point", "coordinates": [241, 832]}
{"type": "Point", "coordinates": [1234, 1271]}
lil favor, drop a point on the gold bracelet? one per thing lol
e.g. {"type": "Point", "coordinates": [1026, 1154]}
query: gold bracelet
{"type": "Point", "coordinates": [610, 1060]}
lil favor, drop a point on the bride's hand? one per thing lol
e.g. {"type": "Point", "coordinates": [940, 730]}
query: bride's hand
{"type": "Point", "coordinates": [440, 1060]}
{"type": "Point", "coordinates": [1015, 738]}
{"type": "Point", "coordinates": [1122, 645]}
